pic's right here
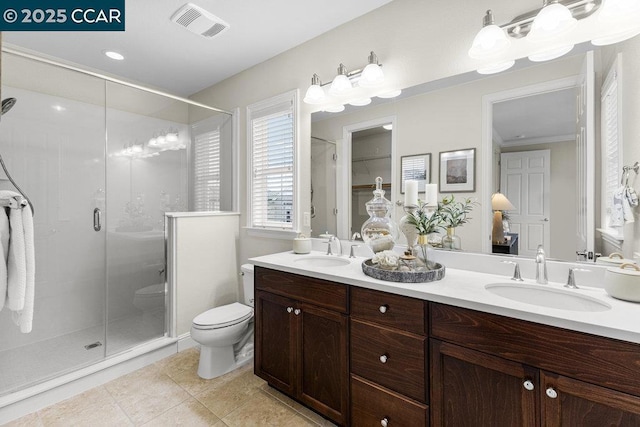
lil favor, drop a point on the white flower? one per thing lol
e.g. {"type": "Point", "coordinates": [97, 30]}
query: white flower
{"type": "Point", "coordinates": [385, 259]}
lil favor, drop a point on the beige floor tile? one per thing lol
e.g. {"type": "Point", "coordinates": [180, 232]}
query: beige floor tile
{"type": "Point", "coordinates": [31, 420]}
{"type": "Point", "coordinates": [190, 413]}
{"type": "Point", "coordinates": [95, 407]}
{"type": "Point", "coordinates": [185, 360]}
{"type": "Point", "coordinates": [146, 393]}
{"type": "Point", "coordinates": [263, 410]}
{"type": "Point", "coordinates": [302, 410]}
{"type": "Point", "coordinates": [227, 395]}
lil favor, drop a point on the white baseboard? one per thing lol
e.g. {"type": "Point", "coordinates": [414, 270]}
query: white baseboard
{"type": "Point", "coordinates": [186, 342]}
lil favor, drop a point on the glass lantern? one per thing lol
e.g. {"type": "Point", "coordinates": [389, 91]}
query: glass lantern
{"type": "Point", "coordinates": [379, 231]}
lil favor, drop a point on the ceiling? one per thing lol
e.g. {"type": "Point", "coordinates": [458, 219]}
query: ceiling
{"type": "Point", "coordinates": [164, 55]}
{"type": "Point", "coordinates": [517, 121]}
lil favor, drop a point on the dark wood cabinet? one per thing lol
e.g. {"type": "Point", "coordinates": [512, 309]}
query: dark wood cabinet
{"type": "Point", "coordinates": [489, 370]}
{"type": "Point", "coordinates": [389, 355]}
{"type": "Point", "coordinates": [301, 347]}
{"type": "Point", "coordinates": [470, 388]}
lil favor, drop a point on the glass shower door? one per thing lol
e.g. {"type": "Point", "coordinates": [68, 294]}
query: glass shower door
{"type": "Point", "coordinates": [147, 175]}
{"type": "Point", "coordinates": [52, 142]}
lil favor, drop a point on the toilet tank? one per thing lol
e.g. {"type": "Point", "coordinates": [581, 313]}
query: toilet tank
{"type": "Point", "coordinates": [247, 283]}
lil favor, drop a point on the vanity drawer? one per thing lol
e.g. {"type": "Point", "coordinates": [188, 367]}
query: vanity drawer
{"type": "Point", "coordinates": [408, 314]}
{"type": "Point", "coordinates": [394, 359]}
{"type": "Point", "coordinates": [371, 404]}
{"type": "Point", "coordinates": [321, 293]}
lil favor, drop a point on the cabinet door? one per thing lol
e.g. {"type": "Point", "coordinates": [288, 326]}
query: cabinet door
{"type": "Point", "coordinates": [569, 402]}
{"type": "Point", "coordinates": [323, 370]}
{"type": "Point", "coordinates": [470, 388]}
{"type": "Point", "coordinates": [276, 340]}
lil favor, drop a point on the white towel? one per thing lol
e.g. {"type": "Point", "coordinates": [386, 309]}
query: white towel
{"type": "Point", "coordinates": [20, 264]}
{"type": "Point", "coordinates": [4, 252]}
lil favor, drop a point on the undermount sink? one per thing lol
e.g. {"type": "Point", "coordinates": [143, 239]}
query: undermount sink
{"type": "Point", "coordinates": [547, 297]}
{"type": "Point", "coordinates": [322, 261]}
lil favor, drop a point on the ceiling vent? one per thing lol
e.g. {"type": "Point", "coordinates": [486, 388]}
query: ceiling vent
{"type": "Point", "coordinates": [199, 21]}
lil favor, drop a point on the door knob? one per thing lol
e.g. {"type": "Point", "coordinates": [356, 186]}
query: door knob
{"type": "Point", "coordinates": [383, 308]}
{"type": "Point", "coordinates": [384, 358]}
{"type": "Point", "coordinates": [296, 311]}
{"type": "Point", "coordinates": [545, 220]}
{"type": "Point", "coordinates": [528, 385]}
{"type": "Point", "coordinates": [552, 393]}
{"type": "Point", "coordinates": [384, 422]}
{"type": "Point", "coordinates": [289, 309]}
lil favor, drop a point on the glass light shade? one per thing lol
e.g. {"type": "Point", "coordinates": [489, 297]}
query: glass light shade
{"type": "Point", "coordinates": [314, 95]}
{"type": "Point", "coordinates": [551, 53]}
{"type": "Point", "coordinates": [153, 142]}
{"type": "Point", "coordinates": [371, 76]}
{"type": "Point", "coordinates": [334, 108]}
{"type": "Point", "coordinates": [340, 86]}
{"type": "Point", "coordinates": [171, 136]}
{"type": "Point", "coordinates": [620, 20]}
{"type": "Point", "coordinates": [496, 68]}
{"type": "Point", "coordinates": [390, 94]}
{"type": "Point", "coordinates": [552, 21]}
{"type": "Point", "coordinates": [136, 148]}
{"type": "Point", "coordinates": [161, 140]}
{"type": "Point", "coordinates": [360, 102]}
{"type": "Point", "coordinates": [491, 41]}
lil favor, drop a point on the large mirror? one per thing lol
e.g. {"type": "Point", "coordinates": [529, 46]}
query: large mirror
{"type": "Point", "coordinates": [551, 109]}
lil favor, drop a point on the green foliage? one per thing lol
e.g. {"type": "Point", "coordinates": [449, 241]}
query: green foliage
{"type": "Point", "coordinates": [455, 213]}
{"type": "Point", "coordinates": [424, 222]}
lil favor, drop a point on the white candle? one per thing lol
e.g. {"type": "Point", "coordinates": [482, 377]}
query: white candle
{"type": "Point", "coordinates": [431, 194]}
{"type": "Point", "coordinates": [410, 192]}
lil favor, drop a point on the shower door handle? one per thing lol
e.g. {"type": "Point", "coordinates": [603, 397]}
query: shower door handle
{"type": "Point", "coordinates": [97, 219]}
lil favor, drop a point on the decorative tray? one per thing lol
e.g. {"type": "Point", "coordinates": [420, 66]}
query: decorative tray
{"type": "Point", "coordinates": [435, 273]}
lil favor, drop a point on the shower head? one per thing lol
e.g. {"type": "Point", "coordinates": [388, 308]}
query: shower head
{"type": "Point", "coordinates": [7, 104]}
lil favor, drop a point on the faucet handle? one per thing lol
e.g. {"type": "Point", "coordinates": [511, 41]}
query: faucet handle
{"type": "Point", "coordinates": [571, 279]}
{"type": "Point", "coordinates": [516, 272]}
{"type": "Point", "coordinates": [352, 253]}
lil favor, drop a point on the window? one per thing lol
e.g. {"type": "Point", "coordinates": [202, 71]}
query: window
{"type": "Point", "coordinates": [206, 158]}
{"type": "Point", "coordinates": [611, 146]}
{"type": "Point", "coordinates": [272, 134]}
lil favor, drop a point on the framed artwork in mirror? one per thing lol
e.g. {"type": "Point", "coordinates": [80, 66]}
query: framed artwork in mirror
{"type": "Point", "coordinates": [416, 167]}
{"type": "Point", "coordinates": [458, 171]}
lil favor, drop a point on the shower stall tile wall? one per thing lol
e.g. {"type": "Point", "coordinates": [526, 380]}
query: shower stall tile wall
{"type": "Point", "coordinates": [102, 162]}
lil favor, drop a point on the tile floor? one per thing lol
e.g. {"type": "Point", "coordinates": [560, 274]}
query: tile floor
{"type": "Point", "coordinates": [170, 393]}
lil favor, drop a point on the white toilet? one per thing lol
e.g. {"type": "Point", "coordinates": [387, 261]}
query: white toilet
{"type": "Point", "coordinates": [225, 333]}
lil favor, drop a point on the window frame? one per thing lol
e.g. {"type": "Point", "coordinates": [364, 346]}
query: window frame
{"type": "Point", "coordinates": [613, 77]}
{"type": "Point", "coordinates": [257, 110]}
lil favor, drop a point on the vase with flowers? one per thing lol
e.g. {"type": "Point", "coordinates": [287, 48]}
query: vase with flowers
{"type": "Point", "coordinates": [426, 220]}
{"type": "Point", "coordinates": [454, 214]}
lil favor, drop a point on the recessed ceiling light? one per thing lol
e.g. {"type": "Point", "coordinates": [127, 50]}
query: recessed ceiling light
{"type": "Point", "coordinates": [58, 107]}
{"type": "Point", "coordinates": [114, 55]}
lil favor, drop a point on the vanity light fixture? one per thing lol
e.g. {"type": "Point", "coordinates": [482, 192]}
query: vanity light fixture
{"type": "Point", "coordinates": [552, 31]}
{"type": "Point", "coordinates": [621, 18]}
{"type": "Point", "coordinates": [355, 87]}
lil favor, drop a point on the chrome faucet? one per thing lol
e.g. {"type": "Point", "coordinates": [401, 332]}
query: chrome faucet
{"type": "Point", "coordinates": [355, 236]}
{"type": "Point", "coordinates": [328, 242]}
{"type": "Point", "coordinates": [541, 266]}
{"type": "Point", "coordinates": [571, 280]}
{"type": "Point", "coordinates": [516, 271]}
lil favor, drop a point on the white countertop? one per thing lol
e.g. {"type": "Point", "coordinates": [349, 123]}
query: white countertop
{"type": "Point", "coordinates": [463, 288]}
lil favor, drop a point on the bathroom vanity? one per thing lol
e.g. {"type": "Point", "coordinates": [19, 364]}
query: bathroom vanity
{"type": "Point", "coordinates": [364, 352]}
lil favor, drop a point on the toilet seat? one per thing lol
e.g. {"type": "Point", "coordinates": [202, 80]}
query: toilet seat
{"type": "Point", "coordinates": [223, 316]}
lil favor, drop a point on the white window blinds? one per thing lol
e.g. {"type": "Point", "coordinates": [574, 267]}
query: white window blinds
{"type": "Point", "coordinates": [207, 171]}
{"type": "Point", "coordinates": [611, 140]}
{"type": "Point", "coordinates": [272, 136]}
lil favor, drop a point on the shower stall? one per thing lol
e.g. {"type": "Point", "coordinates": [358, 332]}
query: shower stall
{"type": "Point", "coordinates": [101, 161]}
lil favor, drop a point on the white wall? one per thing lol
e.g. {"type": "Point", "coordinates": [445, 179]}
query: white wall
{"type": "Point", "coordinates": [206, 264]}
